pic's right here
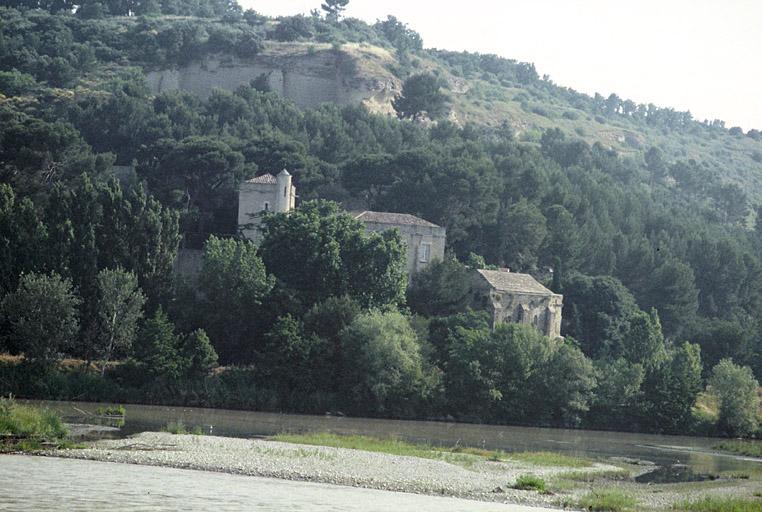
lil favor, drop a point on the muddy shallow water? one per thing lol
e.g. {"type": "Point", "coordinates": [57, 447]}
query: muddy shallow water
{"type": "Point", "coordinates": [694, 453]}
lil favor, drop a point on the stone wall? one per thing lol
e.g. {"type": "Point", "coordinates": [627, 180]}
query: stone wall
{"type": "Point", "coordinates": [414, 237]}
{"type": "Point", "coordinates": [541, 311]}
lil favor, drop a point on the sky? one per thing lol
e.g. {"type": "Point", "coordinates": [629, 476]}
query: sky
{"type": "Point", "coordinates": [699, 55]}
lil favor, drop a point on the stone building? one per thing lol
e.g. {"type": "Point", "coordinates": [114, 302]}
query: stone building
{"type": "Point", "coordinates": [266, 193]}
{"type": "Point", "coordinates": [517, 298]}
{"type": "Point", "coordinates": [424, 240]}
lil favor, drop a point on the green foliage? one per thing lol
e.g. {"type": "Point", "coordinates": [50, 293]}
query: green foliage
{"type": "Point", "coordinates": [530, 483]}
{"type": "Point", "coordinates": [157, 348]}
{"type": "Point", "coordinates": [42, 317]}
{"type": "Point", "coordinates": [720, 504]}
{"type": "Point", "coordinates": [120, 308]}
{"type": "Point", "coordinates": [111, 410]}
{"type": "Point", "coordinates": [736, 389]}
{"type": "Point", "coordinates": [30, 423]}
{"type": "Point", "coordinates": [421, 96]}
{"type": "Point", "coordinates": [199, 354]}
{"type": "Point", "coordinates": [234, 284]}
{"type": "Point", "coordinates": [441, 289]}
{"type": "Point", "coordinates": [319, 252]}
{"type": "Point", "coordinates": [514, 372]}
{"type": "Point", "coordinates": [607, 500]}
{"type": "Point", "coordinates": [750, 448]}
{"type": "Point", "coordinates": [386, 373]}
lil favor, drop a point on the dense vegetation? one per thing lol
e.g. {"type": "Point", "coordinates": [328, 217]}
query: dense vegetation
{"type": "Point", "coordinates": [658, 258]}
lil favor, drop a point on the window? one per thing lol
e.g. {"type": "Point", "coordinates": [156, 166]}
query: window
{"type": "Point", "coordinates": [424, 253]}
{"type": "Point", "coordinates": [267, 206]}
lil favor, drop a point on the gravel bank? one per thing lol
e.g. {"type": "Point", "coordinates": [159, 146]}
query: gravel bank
{"type": "Point", "coordinates": [483, 480]}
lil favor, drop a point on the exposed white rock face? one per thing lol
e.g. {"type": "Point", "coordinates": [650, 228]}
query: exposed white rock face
{"type": "Point", "coordinates": [306, 75]}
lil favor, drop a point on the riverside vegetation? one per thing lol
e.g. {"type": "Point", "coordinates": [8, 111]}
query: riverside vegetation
{"type": "Point", "coordinates": [29, 428]}
{"type": "Point", "coordinates": [656, 248]}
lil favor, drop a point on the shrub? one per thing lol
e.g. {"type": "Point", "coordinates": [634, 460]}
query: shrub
{"type": "Point", "coordinates": [530, 483]}
{"type": "Point", "coordinates": [42, 316]}
{"type": "Point", "coordinates": [30, 422]}
{"type": "Point", "coordinates": [607, 500]}
{"type": "Point", "coordinates": [736, 389]}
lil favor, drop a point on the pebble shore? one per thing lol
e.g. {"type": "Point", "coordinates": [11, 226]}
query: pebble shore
{"type": "Point", "coordinates": [482, 480]}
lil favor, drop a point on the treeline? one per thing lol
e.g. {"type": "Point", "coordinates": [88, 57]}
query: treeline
{"type": "Point", "coordinates": [657, 260]}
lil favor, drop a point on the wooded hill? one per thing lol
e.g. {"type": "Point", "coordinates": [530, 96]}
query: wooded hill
{"type": "Point", "coordinates": [646, 215]}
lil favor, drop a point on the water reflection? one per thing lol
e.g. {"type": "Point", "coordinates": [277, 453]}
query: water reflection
{"type": "Point", "coordinates": [661, 450]}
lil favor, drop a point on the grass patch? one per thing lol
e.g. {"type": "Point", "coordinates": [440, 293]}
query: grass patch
{"type": "Point", "coordinates": [715, 504]}
{"type": "Point", "coordinates": [530, 483]}
{"type": "Point", "coordinates": [592, 476]}
{"type": "Point", "coordinates": [111, 410]}
{"type": "Point", "coordinates": [550, 459]}
{"type": "Point", "coordinates": [607, 500]}
{"type": "Point", "coordinates": [458, 454]}
{"type": "Point", "coordinates": [179, 428]}
{"type": "Point", "coordinates": [750, 448]}
{"type": "Point", "coordinates": [27, 428]}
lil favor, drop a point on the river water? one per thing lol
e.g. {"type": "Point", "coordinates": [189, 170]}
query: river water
{"type": "Point", "coordinates": [695, 453]}
{"type": "Point", "coordinates": [47, 484]}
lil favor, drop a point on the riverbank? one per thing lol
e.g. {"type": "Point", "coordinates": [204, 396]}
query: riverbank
{"type": "Point", "coordinates": [473, 478]}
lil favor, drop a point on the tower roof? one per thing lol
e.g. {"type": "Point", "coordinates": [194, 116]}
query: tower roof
{"type": "Point", "coordinates": [398, 219]}
{"type": "Point", "coordinates": [513, 282]}
{"type": "Point", "coordinates": [265, 178]}
{"type": "Point", "coordinates": [284, 172]}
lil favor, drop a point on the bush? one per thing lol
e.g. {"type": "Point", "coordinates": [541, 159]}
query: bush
{"type": "Point", "coordinates": [607, 500]}
{"type": "Point", "coordinates": [42, 317]}
{"type": "Point", "coordinates": [30, 422]}
{"type": "Point", "coordinates": [384, 370]}
{"type": "Point", "coordinates": [198, 354]}
{"type": "Point", "coordinates": [736, 389]}
{"type": "Point", "coordinates": [530, 483]}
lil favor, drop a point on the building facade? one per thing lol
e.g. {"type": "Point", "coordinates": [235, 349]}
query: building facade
{"type": "Point", "coordinates": [511, 297]}
{"type": "Point", "coordinates": [266, 193]}
{"type": "Point", "coordinates": [424, 240]}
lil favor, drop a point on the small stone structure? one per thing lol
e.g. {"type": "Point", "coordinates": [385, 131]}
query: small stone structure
{"type": "Point", "coordinates": [266, 193]}
{"type": "Point", "coordinates": [517, 298]}
{"type": "Point", "coordinates": [424, 240]}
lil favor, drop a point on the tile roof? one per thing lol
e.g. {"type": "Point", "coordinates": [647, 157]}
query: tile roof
{"type": "Point", "coordinates": [265, 178]}
{"type": "Point", "coordinates": [399, 219]}
{"type": "Point", "coordinates": [513, 282]}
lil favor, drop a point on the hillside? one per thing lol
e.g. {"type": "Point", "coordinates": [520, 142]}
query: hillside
{"type": "Point", "coordinates": [124, 138]}
{"type": "Point", "coordinates": [351, 64]}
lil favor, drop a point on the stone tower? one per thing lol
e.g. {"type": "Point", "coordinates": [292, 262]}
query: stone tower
{"type": "Point", "coordinates": [266, 193]}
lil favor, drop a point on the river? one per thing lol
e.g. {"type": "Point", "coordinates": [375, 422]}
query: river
{"type": "Point", "coordinates": [47, 484]}
{"type": "Point", "coordinates": [668, 451]}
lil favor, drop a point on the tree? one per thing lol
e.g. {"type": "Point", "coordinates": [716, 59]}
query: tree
{"type": "Point", "coordinates": [42, 317]}
{"type": "Point", "coordinates": [318, 251]}
{"type": "Point", "coordinates": [421, 96]}
{"type": "Point", "coordinates": [670, 389]}
{"type": "Point", "coordinates": [522, 231]}
{"type": "Point", "coordinates": [736, 389]}
{"type": "Point", "coordinates": [442, 289]}
{"type": "Point", "coordinates": [120, 307]}
{"type": "Point", "coordinates": [386, 374]}
{"type": "Point", "coordinates": [157, 348]}
{"type": "Point", "coordinates": [514, 373]}
{"type": "Point", "coordinates": [334, 8]}
{"type": "Point", "coordinates": [198, 353]}
{"type": "Point", "coordinates": [234, 284]}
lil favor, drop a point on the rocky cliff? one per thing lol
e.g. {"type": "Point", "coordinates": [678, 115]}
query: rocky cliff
{"type": "Point", "coordinates": [308, 74]}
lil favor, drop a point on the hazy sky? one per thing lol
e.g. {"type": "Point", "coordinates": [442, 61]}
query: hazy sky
{"type": "Point", "coordinates": [699, 55]}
